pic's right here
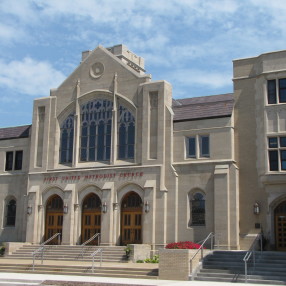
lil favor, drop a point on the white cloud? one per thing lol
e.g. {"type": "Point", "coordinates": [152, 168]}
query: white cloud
{"type": "Point", "coordinates": [9, 33]}
{"type": "Point", "coordinates": [29, 77]}
{"type": "Point", "coordinates": [206, 78]}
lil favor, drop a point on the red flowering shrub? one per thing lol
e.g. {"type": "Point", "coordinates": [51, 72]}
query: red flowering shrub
{"type": "Point", "coordinates": [183, 245]}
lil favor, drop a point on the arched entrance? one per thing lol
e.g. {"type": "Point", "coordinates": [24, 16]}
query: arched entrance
{"type": "Point", "coordinates": [91, 217]}
{"type": "Point", "coordinates": [131, 219]}
{"type": "Point", "coordinates": [280, 226]}
{"type": "Point", "coordinates": [54, 218]}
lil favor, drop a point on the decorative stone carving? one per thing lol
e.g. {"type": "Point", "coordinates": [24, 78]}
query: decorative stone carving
{"type": "Point", "coordinates": [96, 70]}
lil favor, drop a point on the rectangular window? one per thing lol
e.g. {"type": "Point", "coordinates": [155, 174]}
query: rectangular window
{"type": "Point", "coordinates": [282, 90]}
{"type": "Point", "coordinates": [9, 161]}
{"type": "Point", "coordinates": [277, 153]}
{"type": "Point", "coordinates": [18, 160]}
{"type": "Point", "coordinates": [14, 160]}
{"type": "Point", "coordinates": [272, 142]}
{"type": "Point", "coordinates": [192, 147]}
{"type": "Point", "coordinates": [273, 160]}
{"type": "Point", "coordinates": [271, 91]}
{"type": "Point", "coordinates": [283, 159]}
{"type": "Point", "coordinates": [204, 146]}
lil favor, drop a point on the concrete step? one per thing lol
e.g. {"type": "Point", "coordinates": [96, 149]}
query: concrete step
{"type": "Point", "coordinates": [68, 253]}
{"type": "Point", "coordinates": [82, 270]}
{"type": "Point", "coordinates": [239, 280]}
{"type": "Point", "coordinates": [228, 266]}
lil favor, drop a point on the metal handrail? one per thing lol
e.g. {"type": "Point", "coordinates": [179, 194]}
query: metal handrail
{"type": "Point", "coordinates": [251, 252]}
{"type": "Point", "coordinates": [41, 249]}
{"type": "Point", "coordinates": [93, 255]}
{"type": "Point", "coordinates": [97, 235]}
{"type": "Point", "coordinates": [201, 248]}
{"type": "Point", "coordinates": [53, 237]}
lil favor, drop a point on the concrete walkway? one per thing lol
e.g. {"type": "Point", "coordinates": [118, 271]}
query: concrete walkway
{"type": "Point", "coordinates": [34, 279]}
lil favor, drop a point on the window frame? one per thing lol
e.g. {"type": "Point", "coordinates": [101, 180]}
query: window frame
{"type": "Point", "coordinates": [8, 215]}
{"type": "Point", "coordinates": [276, 91]}
{"type": "Point", "coordinates": [13, 161]}
{"type": "Point", "coordinates": [276, 151]}
{"type": "Point", "coordinates": [202, 154]}
{"type": "Point", "coordinates": [194, 219]}
{"type": "Point", "coordinates": [197, 141]}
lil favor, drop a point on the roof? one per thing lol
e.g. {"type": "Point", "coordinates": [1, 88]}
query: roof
{"type": "Point", "coordinates": [15, 132]}
{"type": "Point", "coordinates": [204, 107]}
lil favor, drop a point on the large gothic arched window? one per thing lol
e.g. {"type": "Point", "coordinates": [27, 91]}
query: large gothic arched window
{"type": "Point", "coordinates": [96, 118]}
{"type": "Point", "coordinates": [126, 133]}
{"type": "Point", "coordinates": [67, 134]}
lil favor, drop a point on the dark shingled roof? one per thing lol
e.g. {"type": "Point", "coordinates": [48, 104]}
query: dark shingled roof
{"type": "Point", "coordinates": [203, 107]}
{"type": "Point", "coordinates": [15, 132]}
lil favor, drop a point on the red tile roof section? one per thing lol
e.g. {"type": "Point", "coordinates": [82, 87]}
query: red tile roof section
{"type": "Point", "coordinates": [15, 132]}
{"type": "Point", "coordinates": [203, 107]}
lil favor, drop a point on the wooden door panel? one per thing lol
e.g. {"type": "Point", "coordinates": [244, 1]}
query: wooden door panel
{"type": "Point", "coordinates": [280, 228]}
{"type": "Point", "coordinates": [54, 224]}
{"type": "Point", "coordinates": [131, 227]}
{"type": "Point", "coordinates": [91, 224]}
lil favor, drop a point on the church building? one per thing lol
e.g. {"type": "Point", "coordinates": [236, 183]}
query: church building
{"type": "Point", "coordinates": [112, 152]}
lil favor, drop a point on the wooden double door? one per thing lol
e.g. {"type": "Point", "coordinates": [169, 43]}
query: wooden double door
{"type": "Point", "coordinates": [280, 226]}
{"type": "Point", "coordinates": [54, 219]}
{"type": "Point", "coordinates": [131, 219]}
{"type": "Point", "coordinates": [91, 218]}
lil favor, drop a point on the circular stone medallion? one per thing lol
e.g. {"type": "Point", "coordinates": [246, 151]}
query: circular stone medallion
{"type": "Point", "coordinates": [96, 70]}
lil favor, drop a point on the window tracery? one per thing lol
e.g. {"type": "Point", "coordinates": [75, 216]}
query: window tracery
{"type": "Point", "coordinates": [197, 209]}
{"type": "Point", "coordinates": [11, 213]}
{"type": "Point", "coordinates": [126, 133]}
{"type": "Point", "coordinates": [66, 145]}
{"type": "Point", "coordinates": [96, 118]}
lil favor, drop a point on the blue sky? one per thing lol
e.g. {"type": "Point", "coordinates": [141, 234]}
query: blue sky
{"type": "Point", "coordinates": [190, 43]}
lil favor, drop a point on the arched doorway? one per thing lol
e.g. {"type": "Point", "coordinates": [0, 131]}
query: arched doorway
{"type": "Point", "coordinates": [280, 226]}
{"type": "Point", "coordinates": [91, 217]}
{"type": "Point", "coordinates": [131, 219]}
{"type": "Point", "coordinates": [54, 218]}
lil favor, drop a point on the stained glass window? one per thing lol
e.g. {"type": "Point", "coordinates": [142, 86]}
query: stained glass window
{"type": "Point", "coordinates": [197, 204]}
{"type": "Point", "coordinates": [126, 132]}
{"type": "Point", "coordinates": [67, 134]}
{"type": "Point", "coordinates": [96, 118]}
{"type": "Point", "coordinates": [11, 213]}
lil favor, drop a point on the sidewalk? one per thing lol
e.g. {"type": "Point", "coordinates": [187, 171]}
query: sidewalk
{"type": "Point", "coordinates": [36, 278]}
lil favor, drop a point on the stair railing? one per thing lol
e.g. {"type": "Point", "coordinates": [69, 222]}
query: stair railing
{"type": "Point", "coordinates": [251, 253]}
{"type": "Point", "coordinates": [93, 255]}
{"type": "Point", "coordinates": [41, 249]}
{"type": "Point", "coordinates": [211, 236]}
{"type": "Point", "coordinates": [97, 235]}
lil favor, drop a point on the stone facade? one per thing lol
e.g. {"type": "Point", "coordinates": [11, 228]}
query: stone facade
{"type": "Point", "coordinates": [112, 148]}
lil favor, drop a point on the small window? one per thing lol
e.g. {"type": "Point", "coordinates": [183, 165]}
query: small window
{"type": "Point", "coordinates": [191, 147]}
{"type": "Point", "coordinates": [282, 141]}
{"type": "Point", "coordinates": [198, 211]}
{"type": "Point", "coordinates": [11, 213]}
{"type": "Point", "coordinates": [273, 160]}
{"type": "Point", "coordinates": [277, 153]}
{"type": "Point", "coordinates": [9, 161]}
{"type": "Point", "coordinates": [18, 160]}
{"type": "Point", "coordinates": [272, 142]}
{"type": "Point", "coordinates": [204, 146]}
{"type": "Point", "coordinates": [271, 91]}
{"type": "Point", "coordinates": [282, 90]}
{"type": "Point", "coordinates": [283, 159]}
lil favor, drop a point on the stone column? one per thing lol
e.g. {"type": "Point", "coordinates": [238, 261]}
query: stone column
{"type": "Point", "coordinates": [32, 218]}
{"type": "Point", "coordinates": [76, 226]}
{"type": "Point", "coordinates": [149, 218]}
{"type": "Point", "coordinates": [68, 219]}
{"type": "Point", "coordinates": [107, 217]}
{"type": "Point", "coordinates": [41, 221]}
{"type": "Point", "coordinates": [221, 205]}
